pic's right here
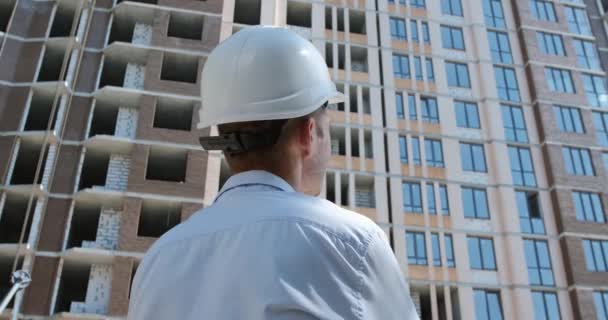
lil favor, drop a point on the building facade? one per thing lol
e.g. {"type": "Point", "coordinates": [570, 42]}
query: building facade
{"type": "Point", "coordinates": [474, 132]}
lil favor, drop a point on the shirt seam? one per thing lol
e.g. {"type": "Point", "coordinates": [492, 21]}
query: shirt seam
{"type": "Point", "coordinates": [360, 246]}
{"type": "Point", "coordinates": [359, 286]}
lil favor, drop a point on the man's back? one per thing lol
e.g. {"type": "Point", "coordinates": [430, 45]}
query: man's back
{"type": "Point", "coordinates": [262, 251]}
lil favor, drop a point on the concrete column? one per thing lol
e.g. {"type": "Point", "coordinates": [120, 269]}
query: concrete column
{"type": "Point", "coordinates": [63, 101]}
{"type": "Point", "coordinates": [118, 172]}
{"type": "Point", "coordinates": [98, 291]}
{"type": "Point", "coordinates": [142, 34]}
{"type": "Point", "coordinates": [48, 166]}
{"type": "Point", "coordinates": [126, 122]}
{"type": "Point", "coordinates": [107, 229]}
{"type": "Point", "coordinates": [134, 76]}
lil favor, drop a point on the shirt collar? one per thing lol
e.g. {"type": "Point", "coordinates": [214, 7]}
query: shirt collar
{"type": "Point", "coordinates": [256, 177]}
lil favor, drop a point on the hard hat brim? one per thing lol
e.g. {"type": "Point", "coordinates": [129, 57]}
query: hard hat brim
{"type": "Point", "coordinates": [334, 97]}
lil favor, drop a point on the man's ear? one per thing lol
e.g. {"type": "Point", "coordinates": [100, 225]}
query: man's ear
{"type": "Point", "coordinates": [305, 132]}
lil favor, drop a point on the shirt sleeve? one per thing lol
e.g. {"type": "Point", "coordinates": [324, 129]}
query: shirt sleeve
{"type": "Point", "coordinates": [384, 292]}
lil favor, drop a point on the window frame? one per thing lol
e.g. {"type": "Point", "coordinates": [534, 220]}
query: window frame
{"type": "Point", "coordinates": [536, 251]}
{"type": "Point", "coordinates": [487, 295]}
{"type": "Point", "coordinates": [550, 43]}
{"type": "Point", "coordinates": [435, 159]}
{"type": "Point", "coordinates": [546, 313]}
{"type": "Point", "coordinates": [416, 258]}
{"type": "Point", "coordinates": [584, 161]}
{"type": "Point", "coordinates": [468, 152]}
{"type": "Point", "coordinates": [594, 90]}
{"type": "Point", "coordinates": [568, 119]}
{"type": "Point", "coordinates": [452, 8]}
{"type": "Point", "coordinates": [398, 33]}
{"type": "Point", "coordinates": [461, 72]}
{"type": "Point", "coordinates": [546, 16]}
{"type": "Point", "coordinates": [522, 169]}
{"type": "Point", "coordinates": [465, 108]}
{"type": "Point", "coordinates": [402, 69]}
{"type": "Point", "coordinates": [452, 37]}
{"type": "Point", "coordinates": [586, 54]}
{"type": "Point", "coordinates": [588, 206]}
{"type": "Point", "coordinates": [479, 245]}
{"type": "Point", "coordinates": [429, 109]}
{"type": "Point", "coordinates": [496, 40]}
{"type": "Point", "coordinates": [475, 194]}
{"type": "Point", "coordinates": [559, 80]}
{"type": "Point", "coordinates": [507, 90]}
{"type": "Point", "coordinates": [514, 131]}
{"type": "Point", "coordinates": [416, 202]}
{"type": "Point", "coordinates": [589, 250]}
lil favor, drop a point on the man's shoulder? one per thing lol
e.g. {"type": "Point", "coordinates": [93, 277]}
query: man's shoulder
{"type": "Point", "coordinates": [290, 208]}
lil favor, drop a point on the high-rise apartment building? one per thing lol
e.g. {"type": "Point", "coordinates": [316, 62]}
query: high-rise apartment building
{"type": "Point", "coordinates": [475, 133]}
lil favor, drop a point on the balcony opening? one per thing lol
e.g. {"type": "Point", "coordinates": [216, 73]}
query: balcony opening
{"type": "Point", "coordinates": [340, 106]}
{"type": "Point", "coordinates": [122, 29]}
{"type": "Point", "coordinates": [354, 142]}
{"type": "Point", "coordinates": [52, 61]}
{"type": "Point", "coordinates": [64, 19]}
{"type": "Point", "coordinates": [173, 114]}
{"type": "Point", "coordinates": [328, 20]}
{"type": "Point", "coordinates": [533, 206]}
{"type": "Point", "coordinates": [185, 25]}
{"type": "Point", "coordinates": [6, 265]}
{"type": "Point", "coordinates": [6, 10]}
{"type": "Point", "coordinates": [299, 14]}
{"type": "Point", "coordinates": [113, 72]}
{"type": "Point", "coordinates": [104, 119]}
{"type": "Point", "coordinates": [133, 272]}
{"type": "Point", "coordinates": [329, 55]}
{"type": "Point", "coordinates": [366, 103]}
{"type": "Point", "coordinates": [236, 28]}
{"type": "Point", "coordinates": [353, 101]}
{"type": "Point", "coordinates": [455, 303]}
{"type": "Point", "coordinates": [73, 285]}
{"type": "Point", "coordinates": [157, 217]}
{"type": "Point", "coordinates": [330, 187]}
{"type": "Point", "coordinates": [179, 67]}
{"type": "Point", "coordinates": [247, 11]}
{"type": "Point", "coordinates": [167, 164]}
{"type": "Point", "coordinates": [13, 217]}
{"type": "Point", "coordinates": [28, 155]}
{"type": "Point", "coordinates": [344, 196]}
{"type": "Point", "coordinates": [367, 143]}
{"type": "Point", "coordinates": [339, 16]}
{"type": "Point", "coordinates": [442, 307]}
{"type": "Point", "coordinates": [365, 197]}
{"type": "Point", "coordinates": [356, 21]}
{"type": "Point", "coordinates": [421, 296]}
{"type": "Point", "coordinates": [94, 170]}
{"type": "Point", "coordinates": [39, 113]}
{"type": "Point", "coordinates": [224, 173]}
{"type": "Point", "coordinates": [85, 220]}
{"type": "Point", "coordinates": [338, 140]}
{"type": "Point", "coordinates": [358, 57]}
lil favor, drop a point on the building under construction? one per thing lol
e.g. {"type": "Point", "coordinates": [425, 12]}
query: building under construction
{"type": "Point", "coordinates": [99, 154]}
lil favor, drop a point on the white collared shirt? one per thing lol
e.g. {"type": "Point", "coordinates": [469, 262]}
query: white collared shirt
{"type": "Point", "coordinates": [264, 251]}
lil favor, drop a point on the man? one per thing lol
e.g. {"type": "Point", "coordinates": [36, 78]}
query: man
{"type": "Point", "coordinates": [268, 248]}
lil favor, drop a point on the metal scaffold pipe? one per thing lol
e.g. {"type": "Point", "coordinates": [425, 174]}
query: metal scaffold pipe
{"type": "Point", "coordinates": [20, 280]}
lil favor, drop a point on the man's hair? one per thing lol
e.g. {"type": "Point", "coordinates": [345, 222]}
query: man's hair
{"type": "Point", "coordinates": [276, 129]}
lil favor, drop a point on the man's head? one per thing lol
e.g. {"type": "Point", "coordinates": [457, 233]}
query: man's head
{"type": "Point", "coordinates": [266, 89]}
{"type": "Point", "coordinates": [300, 153]}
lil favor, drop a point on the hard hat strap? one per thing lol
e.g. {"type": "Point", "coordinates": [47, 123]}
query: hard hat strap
{"type": "Point", "coordinates": [241, 141]}
{"type": "Point", "coordinates": [238, 142]}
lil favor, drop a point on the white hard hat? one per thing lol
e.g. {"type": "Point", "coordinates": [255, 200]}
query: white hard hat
{"type": "Point", "coordinates": [264, 73]}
